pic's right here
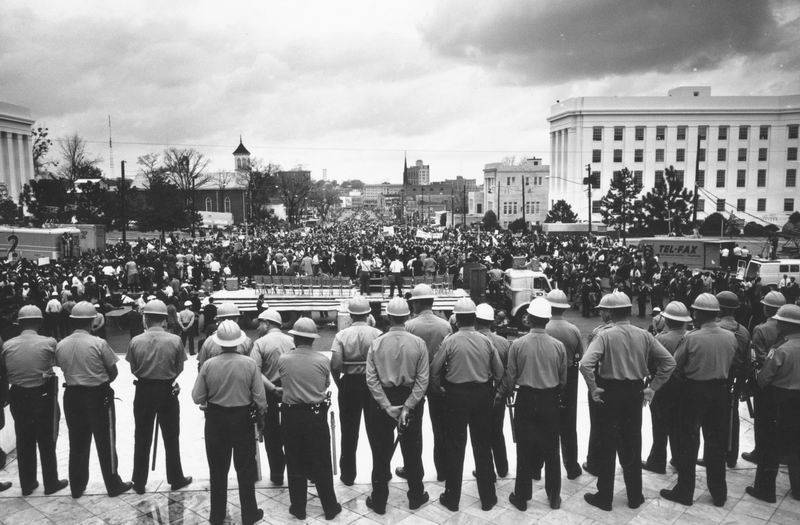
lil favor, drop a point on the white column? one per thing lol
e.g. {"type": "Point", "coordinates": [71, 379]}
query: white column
{"type": "Point", "coordinates": [27, 165]}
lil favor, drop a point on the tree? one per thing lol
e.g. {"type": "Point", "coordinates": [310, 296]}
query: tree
{"type": "Point", "coordinates": [561, 212]}
{"type": "Point", "coordinates": [293, 188]}
{"type": "Point", "coordinates": [324, 195]}
{"type": "Point", "coordinates": [353, 184]}
{"type": "Point", "coordinates": [713, 225]}
{"type": "Point", "coordinates": [49, 200]}
{"type": "Point", "coordinates": [618, 205]}
{"type": "Point", "coordinates": [41, 147]}
{"type": "Point", "coordinates": [669, 206]}
{"type": "Point", "coordinates": [149, 167]}
{"type": "Point", "coordinates": [490, 220]}
{"type": "Point", "coordinates": [8, 211]}
{"type": "Point", "coordinates": [259, 182]}
{"type": "Point", "coordinates": [75, 161]}
{"type": "Point", "coordinates": [163, 208]}
{"type": "Point", "coordinates": [518, 225]}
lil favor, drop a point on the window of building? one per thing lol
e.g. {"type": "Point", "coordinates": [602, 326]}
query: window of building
{"type": "Point", "coordinates": [618, 132]}
{"type": "Point", "coordinates": [661, 132]}
{"type": "Point", "coordinates": [638, 155]}
{"type": "Point", "coordinates": [740, 204]}
{"type": "Point", "coordinates": [680, 155]}
{"type": "Point", "coordinates": [700, 179]}
{"type": "Point", "coordinates": [659, 177]}
{"type": "Point", "coordinates": [595, 206]}
{"type": "Point", "coordinates": [794, 130]}
{"type": "Point", "coordinates": [763, 133]}
{"type": "Point", "coordinates": [761, 205]}
{"type": "Point", "coordinates": [659, 155]}
{"type": "Point", "coordinates": [722, 134]}
{"type": "Point", "coordinates": [595, 180]}
{"type": "Point", "coordinates": [720, 204]}
{"type": "Point", "coordinates": [791, 178]}
{"type": "Point", "coordinates": [639, 132]}
{"type": "Point", "coordinates": [720, 178]}
{"type": "Point", "coordinates": [489, 185]}
{"type": "Point", "coordinates": [479, 207]}
{"type": "Point", "coordinates": [209, 204]}
{"type": "Point", "coordinates": [679, 177]}
{"type": "Point", "coordinates": [227, 204]}
{"type": "Point", "coordinates": [762, 154]}
{"type": "Point", "coordinates": [701, 205]}
{"type": "Point", "coordinates": [596, 155]}
{"type": "Point", "coordinates": [681, 135]}
{"type": "Point", "coordinates": [597, 133]}
{"type": "Point", "coordinates": [701, 154]}
{"type": "Point", "coordinates": [741, 177]}
{"type": "Point", "coordinates": [505, 208]}
{"type": "Point", "coordinates": [761, 178]}
{"type": "Point", "coordinates": [722, 154]}
{"type": "Point", "coordinates": [742, 155]}
{"type": "Point", "coordinates": [702, 132]}
{"type": "Point", "coordinates": [791, 154]}
{"type": "Point", "coordinates": [788, 204]}
{"type": "Point", "coordinates": [617, 155]}
{"type": "Point", "coordinates": [743, 132]}
{"type": "Point", "coordinates": [514, 204]}
{"type": "Point", "coordinates": [638, 177]}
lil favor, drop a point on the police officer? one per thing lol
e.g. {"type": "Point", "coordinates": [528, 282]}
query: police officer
{"type": "Point", "coordinates": [156, 358]}
{"type": "Point", "coordinates": [537, 363]}
{"type": "Point", "coordinates": [432, 329]}
{"type": "Point", "coordinates": [464, 369]}
{"type": "Point", "coordinates": [26, 363]}
{"type": "Point", "coordinates": [781, 372]}
{"type": "Point", "coordinates": [704, 359]}
{"type": "Point", "coordinates": [397, 373]}
{"type": "Point", "coordinates": [590, 465]}
{"type": "Point", "coordinates": [209, 348]}
{"type": "Point", "coordinates": [484, 317]}
{"type": "Point", "coordinates": [89, 365]}
{"type": "Point", "coordinates": [624, 353]}
{"type": "Point", "coordinates": [230, 386]}
{"type": "Point", "coordinates": [765, 335]}
{"type": "Point", "coordinates": [728, 305]}
{"type": "Point", "coordinates": [348, 357]}
{"type": "Point", "coordinates": [305, 377]}
{"type": "Point", "coordinates": [266, 352]}
{"type": "Point", "coordinates": [569, 335]}
{"type": "Point", "coordinates": [664, 407]}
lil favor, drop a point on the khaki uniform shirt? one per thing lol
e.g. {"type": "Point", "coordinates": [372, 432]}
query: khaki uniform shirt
{"type": "Point", "coordinates": [85, 359]}
{"type": "Point", "coordinates": [500, 343]}
{"type": "Point", "coordinates": [211, 349]}
{"type": "Point", "coordinates": [430, 328]}
{"type": "Point", "coordinates": [28, 359]}
{"type": "Point", "coordinates": [765, 336]}
{"type": "Point", "coordinates": [305, 375]}
{"type": "Point", "coordinates": [267, 349]}
{"type": "Point", "coordinates": [398, 358]}
{"type": "Point", "coordinates": [706, 353]}
{"type": "Point", "coordinates": [536, 360]}
{"type": "Point", "coordinates": [782, 367]}
{"type": "Point", "coordinates": [569, 335]}
{"type": "Point", "coordinates": [229, 380]}
{"type": "Point", "coordinates": [350, 347]}
{"type": "Point", "coordinates": [156, 354]}
{"type": "Point", "coordinates": [471, 358]}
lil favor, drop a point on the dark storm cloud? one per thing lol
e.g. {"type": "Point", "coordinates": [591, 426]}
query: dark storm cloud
{"type": "Point", "coordinates": [554, 41]}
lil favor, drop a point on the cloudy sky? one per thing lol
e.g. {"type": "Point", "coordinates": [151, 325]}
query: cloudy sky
{"type": "Point", "coordinates": [348, 86]}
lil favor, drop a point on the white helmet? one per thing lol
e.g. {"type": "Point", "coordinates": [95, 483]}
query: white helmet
{"type": "Point", "coordinates": [541, 308]}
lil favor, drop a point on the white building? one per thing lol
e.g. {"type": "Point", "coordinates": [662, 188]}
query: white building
{"type": "Point", "coordinates": [16, 154]}
{"type": "Point", "coordinates": [502, 190]}
{"type": "Point", "coordinates": [747, 149]}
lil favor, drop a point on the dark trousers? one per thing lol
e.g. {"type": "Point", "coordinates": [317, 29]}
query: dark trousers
{"type": "Point", "coordinates": [230, 431]}
{"type": "Point", "coordinates": [765, 415]}
{"type": "Point", "coordinates": [537, 422]}
{"type": "Point", "coordinates": [363, 279]}
{"type": "Point", "coordinates": [354, 397]}
{"type": "Point", "coordinates": [619, 421]}
{"type": "Point", "coordinates": [594, 436]}
{"type": "Point", "coordinates": [89, 412]}
{"type": "Point", "coordinates": [497, 441]}
{"type": "Point", "coordinates": [468, 405]}
{"type": "Point", "coordinates": [703, 406]}
{"type": "Point", "coordinates": [663, 414]}
{"type": "Point", "coordinates": [568, 420]}
{"type": "Point", "coordinates": [396, 280]}
{"type": "Point", "coordinates": [273, 440]}
{"type": "Point", "coordinates": [437, 410]}
{"type": "Point", "coordinates": [308, 455]}
{"type": "Point", "coordinates": [36, 415]}
{"type": "Point", "coordinates": [187, 338]}
{"type": "Point", "coordinates": [380, 431]}
{"type": "Point", "coordinates": [51, 325]}
{"type": "Point", "coordinates": [155, 399]}
{"type": "Point", "coordinates": [779, 438]}
{"type": "Point", "coordinates": [732, 452]}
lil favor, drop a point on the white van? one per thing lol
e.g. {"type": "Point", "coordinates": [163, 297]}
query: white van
{"type": "Point", "coordinates": [770, 271]}
{"type": "Point", "coordinates": [522, 286]}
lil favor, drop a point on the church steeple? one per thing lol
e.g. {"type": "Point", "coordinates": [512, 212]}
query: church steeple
{"type": "Point", "coordinates": [241, 157]}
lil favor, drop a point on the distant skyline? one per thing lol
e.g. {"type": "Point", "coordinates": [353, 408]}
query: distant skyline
{"type": "Point", "coordinates": [350, 86]}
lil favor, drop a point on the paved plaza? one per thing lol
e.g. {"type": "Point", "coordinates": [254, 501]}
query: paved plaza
{"type": "Point", "coordinates": [191, 505]}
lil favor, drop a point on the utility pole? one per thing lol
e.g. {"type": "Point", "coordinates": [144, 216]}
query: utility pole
{"type": "Point", "coordinates": [464, 205]}
{"type": "Point", "coordinates": [524, 181]}
{"type": "Point", "coordinates": [696, 172]}
{"type": "Point", "coordinates": [589, 180]}
{"type": "Point", "coordinates": [122, 209]}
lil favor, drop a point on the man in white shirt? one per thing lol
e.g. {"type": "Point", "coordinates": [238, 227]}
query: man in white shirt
{"type": "Point", "coordinates": [186, 320]}
{"type": "Point", "coordinates": [396, 279]}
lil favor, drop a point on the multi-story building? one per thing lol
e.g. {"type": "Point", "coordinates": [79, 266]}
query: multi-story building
{"type": "Point", "coordinates": [377, 194]}
{"type": "Point", "coordinates": [418, 174]}
{"type": "Point", "coordinates": [742, 151]}
{"type": "Point", "coordinates": [16, 156]}
{"type": "Point", "coordinates": [502, 190]}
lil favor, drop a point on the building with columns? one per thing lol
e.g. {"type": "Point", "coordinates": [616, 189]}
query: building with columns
{"type": "Point", "coordinates": [16, 154]}
{"type": "Point", "coordinates": [747, 148]}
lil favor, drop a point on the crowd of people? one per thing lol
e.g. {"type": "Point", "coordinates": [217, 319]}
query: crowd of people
{"type": "Point", "coordinates": [743, 344]}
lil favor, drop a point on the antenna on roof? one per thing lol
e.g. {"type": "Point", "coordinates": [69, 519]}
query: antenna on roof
{"type": "Point", "coordinates": [110, 151]}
